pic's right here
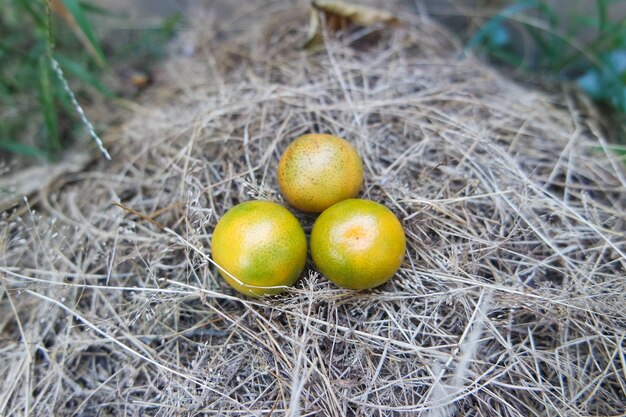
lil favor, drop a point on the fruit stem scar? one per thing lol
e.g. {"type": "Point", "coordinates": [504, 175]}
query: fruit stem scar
{"type": "Point", "coordinates": [354, 232]}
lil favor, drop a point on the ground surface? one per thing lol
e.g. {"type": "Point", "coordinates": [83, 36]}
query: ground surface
{"type": "Point", "coordinates": [509, 302]}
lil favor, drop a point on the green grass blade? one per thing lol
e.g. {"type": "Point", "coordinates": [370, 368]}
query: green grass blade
{"type": "Point", "coordinates": [613, 37]}
{"type": "Point", "coordinates": [510, 58]}
{"type": "Point", "coordinates": [46, 100]}
{"type": "Point", "coordinates": [74, 7]}
{"type": "Point", "coordinates": [92, 8]}
{"type": "Point", "coordinates": [617, 150]}
{"type": "Point", "coordinates": [78, 70]}
{"type": "Point", "coordinates": [79, 109]}
{"type": "Point", "coordinates": [602, 17]}
{"type": "Point", "coordinates": [37, 16]}
{"type": "Point", "coordinates": [21, 149]}
{"type": "Point", "coordinates": [546, 47]}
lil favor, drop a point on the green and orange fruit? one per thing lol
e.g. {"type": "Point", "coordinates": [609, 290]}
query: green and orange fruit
{"type": "Point", "coordinates": [260, 248]}
{"type": "Point", "coordinates": [319, 170]}
{"type": "Point", "coordinates": [358, 244]}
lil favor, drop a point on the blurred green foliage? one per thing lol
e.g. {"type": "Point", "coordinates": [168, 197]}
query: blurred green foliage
{"type": "Point", "coordinates": [37, 116]}
{"type": "Point", "coordinates": [598, 66]}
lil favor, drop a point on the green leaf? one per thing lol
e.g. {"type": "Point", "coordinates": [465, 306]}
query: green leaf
{"type": "Point", "coordinates": [169, 24]}
{"type": "Point", "coordinates": [46, 100]}
{"type": "Point", "coordinates": [608, 83]}
{"type": "Point", "coordinates": [618, 99]}
{"type": "Point", "coordinates": [499, 37]}
{"type": "Point", "coordinates": [617, 60]}
{"type": "Point", "coordinates": [493, 24]}
{"type": "Point", "coordinates": [74, 7]}
{"type": "Point", "coordinates": [592, 83]}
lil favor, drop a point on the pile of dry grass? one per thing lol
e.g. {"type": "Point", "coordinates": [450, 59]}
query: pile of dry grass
{"type": "Point", "coordinates": [510, 301]}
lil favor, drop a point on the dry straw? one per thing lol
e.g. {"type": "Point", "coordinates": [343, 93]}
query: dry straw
{"type": "Point", "coordinates": [510, 302]}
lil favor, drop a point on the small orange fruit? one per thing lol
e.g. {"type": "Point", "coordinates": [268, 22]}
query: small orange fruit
{"type": "Point", "coordinates": [318, 170]}
{"type": "Point", "coordinates": [358, 244]}
{"type": "Point", "coordinates": [260, 248]}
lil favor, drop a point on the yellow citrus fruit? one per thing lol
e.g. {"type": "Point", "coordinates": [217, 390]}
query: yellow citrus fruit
{"type": "Point", "coordinates": [358, 244]}
{"type": "Point", "coordinates": [260, 248]}
{"type": "Point", "coordinates": [318, 170]}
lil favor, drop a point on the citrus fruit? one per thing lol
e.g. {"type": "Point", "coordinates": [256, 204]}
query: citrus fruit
{"type": "Point", "coordinates": [260, 248]}
{"type": "Point", "coordinates": [318, 170]}
{"type": "Point", "coordinates": [358, 244]}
